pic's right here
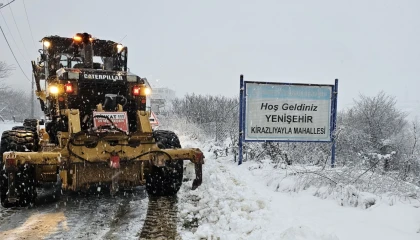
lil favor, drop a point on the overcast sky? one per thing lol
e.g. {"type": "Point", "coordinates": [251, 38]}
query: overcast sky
{"type": "Point", "coordinates": [203, 46]}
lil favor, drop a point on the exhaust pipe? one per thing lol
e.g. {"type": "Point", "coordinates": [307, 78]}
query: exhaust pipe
{"type": "Point", "coordinates": [87, 50]}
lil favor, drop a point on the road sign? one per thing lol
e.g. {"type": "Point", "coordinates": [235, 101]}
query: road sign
{"type": "Point", "coordinates": [287, 112]}
{"type": "Point", "coordinates": [154, 122]}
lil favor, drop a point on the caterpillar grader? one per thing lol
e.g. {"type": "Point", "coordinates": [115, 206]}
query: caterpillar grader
{"type": "Point", "coordinates": [96, 130]}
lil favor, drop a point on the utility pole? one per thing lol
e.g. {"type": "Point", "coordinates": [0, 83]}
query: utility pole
{"type": "Point", "coordinates": [32, 98]}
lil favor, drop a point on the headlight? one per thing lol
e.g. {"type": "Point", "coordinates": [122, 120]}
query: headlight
{"type": "Point", "coordinates": [53, 89]}
{"type": "Point", "coordinates": [119, 47]}
{"type": "Point", "coordinates": [77, 38]}
{"type": "Point", "coordinates": [147, 91]}
{"type": "Point", "coordinates": [47, 44]}
{"type": "Point", "coordinates": [141, 91]}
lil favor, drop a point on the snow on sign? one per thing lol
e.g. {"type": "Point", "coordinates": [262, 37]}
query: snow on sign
{"type": "Point", "coordinates": [119, 119]}
{"type": "Point", "coordinates": [287, 112]}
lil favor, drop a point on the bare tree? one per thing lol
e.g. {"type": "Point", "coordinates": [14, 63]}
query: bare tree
{"type": "Point", "coordinates": [217, 115]}
{"type": "Point", "coordinates": [13, 103]}
{"type": "Point", "coordinates": [411, 163]}
{"type": "Point", "coordinates": [373, 128]}
{"type": "Point", "coordinates": [5, 70]}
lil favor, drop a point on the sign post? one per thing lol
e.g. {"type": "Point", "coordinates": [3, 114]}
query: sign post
{"type": "Point", "coordinates": [287, 112]}
{"type": "Point", "coordinates": [241, 107]}
{"type": "Point", "coordinates": [333, 127]}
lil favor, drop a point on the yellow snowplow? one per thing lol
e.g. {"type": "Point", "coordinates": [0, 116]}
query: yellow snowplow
{"type": "Point", "coordinates": [96, 130]}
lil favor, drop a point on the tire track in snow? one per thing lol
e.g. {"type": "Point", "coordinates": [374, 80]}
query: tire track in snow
{"type": "Point", "coordinates": [161, 219]}
{"type": "Point", "coordinates": [128, 220]}
{"type": "Point", "coordinates": [77, 217]}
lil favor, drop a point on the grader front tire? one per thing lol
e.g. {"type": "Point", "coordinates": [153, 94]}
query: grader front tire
{"type": "Point", "coordinates": [167, 180]}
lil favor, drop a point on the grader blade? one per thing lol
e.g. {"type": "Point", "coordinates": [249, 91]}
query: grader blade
{"type": "Point", "coordinates": [198, 175]}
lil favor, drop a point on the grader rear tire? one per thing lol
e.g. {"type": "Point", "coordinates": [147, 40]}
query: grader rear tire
{"type": "Point", "coordinates": [4, 144]}
{"type": "Point", "coordinates": [25, 187]}
{"type": "Point", "coordinates": [167, 180]}
{"type": "Point", "coordinates": [4, 188]}
{"type": "Point", "coordinates": [23, 140]}
{"type": "Point", "coordinates": [4, 147]}
{"type": "Point", "coordinates": [18, 140]}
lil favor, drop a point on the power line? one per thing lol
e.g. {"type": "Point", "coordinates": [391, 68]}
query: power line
{"type": "Point", "coordinates": [20, 35]}
{"type": "Point", "coordinates": [13, 38]}
{"type": "Point", "coordinates": [7, 4]}
{"type": "Point", "coordinates": [122, 38]}
{"type": "Point", "coordinates": [27, 19]}
{"type": "Point", "coordinates": [13, 53]}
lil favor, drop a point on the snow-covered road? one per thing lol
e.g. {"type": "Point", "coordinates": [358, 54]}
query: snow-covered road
{"type": "Point", "coordinates": [77, 217]}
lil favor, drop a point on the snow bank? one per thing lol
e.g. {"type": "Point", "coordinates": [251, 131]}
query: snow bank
{"type": "Point", "coordinates": [221, 208]}
{"type": "Point", "coordinates": [226, 206]}
{"type": "Point", "coordinates": [333, 184]}
{"type": "Point", "coordinates": [255, 201]}
{"type": "Point", "coordinates": [341, 211]}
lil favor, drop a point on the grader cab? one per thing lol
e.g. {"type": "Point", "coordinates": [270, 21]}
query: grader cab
{"type": "Point", "coordinates": [96, 129]}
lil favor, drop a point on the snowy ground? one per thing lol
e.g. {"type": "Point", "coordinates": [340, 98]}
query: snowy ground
{"type": "Point", "coordinates": [251, 201]}
{"type": "Point", "coordinates": [242, 202]}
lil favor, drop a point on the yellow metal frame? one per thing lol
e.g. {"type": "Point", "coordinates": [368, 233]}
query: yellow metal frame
{"type": "Point", "coordinates": [71, 153]}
